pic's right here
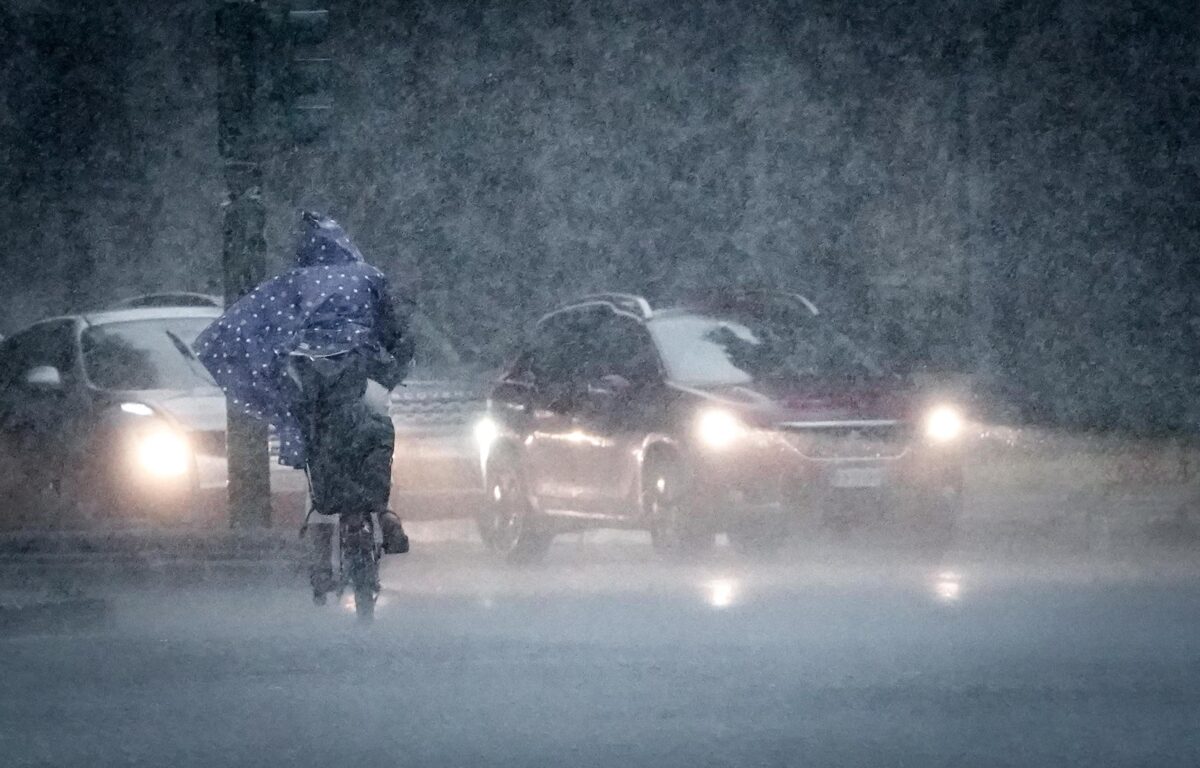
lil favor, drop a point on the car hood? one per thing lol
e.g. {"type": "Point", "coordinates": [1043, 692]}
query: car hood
{"type": "Point", "coordinates": [201, 410]}
{"type": "Point", "coordinates": [778, 402]}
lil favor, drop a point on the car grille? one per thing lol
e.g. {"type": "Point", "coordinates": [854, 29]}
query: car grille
{"type": "Point", "coordinates": [849, 439]}
{"type": "Point", "coordinates": [420, 404]}
{"type": "Point", "coordinates": [416, 405]}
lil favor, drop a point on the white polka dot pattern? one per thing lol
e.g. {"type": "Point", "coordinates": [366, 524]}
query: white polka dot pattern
{"type": "Point", "coordinates": [328, 296]}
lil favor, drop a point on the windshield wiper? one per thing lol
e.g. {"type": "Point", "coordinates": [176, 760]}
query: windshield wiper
{"type": "Point", "coordinates": [189, 354]}
{"type": "Point", "coordinates": [180, 345]}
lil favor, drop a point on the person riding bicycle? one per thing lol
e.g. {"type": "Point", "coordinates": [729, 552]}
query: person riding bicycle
{"type": "Point", "coordinates": [312, 351]}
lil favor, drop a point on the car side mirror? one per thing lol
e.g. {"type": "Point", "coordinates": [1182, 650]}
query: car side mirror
{"type": "Point", "coordinates": [44, 377]}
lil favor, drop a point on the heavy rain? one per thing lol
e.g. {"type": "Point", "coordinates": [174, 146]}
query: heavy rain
{"type": "Point", "coordinates": [614, 383]}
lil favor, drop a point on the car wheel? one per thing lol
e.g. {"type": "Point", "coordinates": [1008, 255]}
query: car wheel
{"type": "Point", "coordinates": [676, 526]}
{"type": "Point", "coordinates": [509, 525]}
{"type": "Point", "coordinates": [759, 535]}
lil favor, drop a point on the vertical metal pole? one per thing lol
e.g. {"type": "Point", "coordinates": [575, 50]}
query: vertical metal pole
{"type": "Point", "coordinates": [974, 300]}
{"type": "Point", "coordinates": [977, 239]}
{"type": "Point", "coordinates": [241, 34]}
{"type": "Point", "coordinates": [982, 101]}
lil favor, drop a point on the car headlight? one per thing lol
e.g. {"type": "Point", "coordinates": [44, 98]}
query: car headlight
{"type": "Point", "coordinates": [943, 424]}
{"type": "Point", "coordinates": [719, 429]}
{"type": "Point", "coordinates": [137, 409]}
{"type": "Point", "coordinates": [163, 452]}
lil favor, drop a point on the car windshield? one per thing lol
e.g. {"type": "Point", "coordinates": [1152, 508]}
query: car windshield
{"type": "Point", "coordinates": [741, 347]}
{"type": "Point", "coordinates": [145, 354]}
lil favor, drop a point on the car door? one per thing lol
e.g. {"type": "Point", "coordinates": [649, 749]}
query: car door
{"type": "Point", "coordinates": [43, 407]}
{"type": "Point", "coordinates": [614, 413]}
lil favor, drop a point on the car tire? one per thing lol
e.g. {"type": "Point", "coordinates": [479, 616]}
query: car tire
{"type": "Point", "coordinates": [509, 525]}
{"type": "Point", "coordinates": [678, 526]}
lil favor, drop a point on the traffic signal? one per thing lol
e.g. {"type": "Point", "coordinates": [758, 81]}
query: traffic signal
{"type": "Point", "coordinates": [306, 80]}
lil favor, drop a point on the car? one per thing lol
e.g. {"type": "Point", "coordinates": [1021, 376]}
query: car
{"type": "Point", "coordinates": [436, 472]}
{"type": "Point", "coordinates": [109, 410]}
{"type": "Point", "coordinates": [744, 412]}
{"type": "Point", "coordinates": [112, 411]}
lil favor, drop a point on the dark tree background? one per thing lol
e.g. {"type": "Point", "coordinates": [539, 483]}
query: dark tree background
{"type": "Point", "coordinates": [1007, 188]}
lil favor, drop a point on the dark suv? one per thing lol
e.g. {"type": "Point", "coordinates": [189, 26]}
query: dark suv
{"type": "Point", "coordinates": [747, 413]}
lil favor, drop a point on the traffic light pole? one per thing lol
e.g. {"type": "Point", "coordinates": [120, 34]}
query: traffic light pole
{"type": "Point", "coordinates": [241, 32]}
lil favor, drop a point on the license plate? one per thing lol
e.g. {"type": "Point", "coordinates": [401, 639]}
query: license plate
{"type": "Point", "coordinates": [857, 477]}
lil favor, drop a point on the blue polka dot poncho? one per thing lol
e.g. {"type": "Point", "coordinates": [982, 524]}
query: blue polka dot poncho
{"type": "Point", "coordinates": [331, 294]}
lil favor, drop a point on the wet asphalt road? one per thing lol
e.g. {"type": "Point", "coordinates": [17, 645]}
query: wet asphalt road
{"type": "Point", "coordinates": [608, 657]}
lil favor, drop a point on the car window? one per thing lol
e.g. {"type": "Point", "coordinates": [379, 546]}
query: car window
{"type": "Point", "coordinates": [47, 344]}
{"type": "Point", "coordinates": [737, 348]}
{"type": "Point", "coordinates": [621, 346]}
{"type": "Point", "coordinates": [563, 346]}
{"type": "Point", "coordinates": [145, 354]}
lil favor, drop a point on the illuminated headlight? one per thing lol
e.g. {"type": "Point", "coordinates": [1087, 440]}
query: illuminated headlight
{"type": "Point", "coordinates": [943, 424]}
{"type": "Point", "coordinates": [486, 433]}
{"type": "Point", "coordinates": [137, 409]}
{"type": "Point", "coordinates": [719, 429]}
{"type": "Point", "coordinates": [163, 452]}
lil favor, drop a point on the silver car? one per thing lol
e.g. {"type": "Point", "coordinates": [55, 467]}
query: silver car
{"type": "Point", "coordinates": [112, 411]}
{"type": "Point", "coordinates": [108, 416]}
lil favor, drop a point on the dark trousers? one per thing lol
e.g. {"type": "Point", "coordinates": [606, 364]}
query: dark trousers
{"type": "Point", "coordinates": [349, 445]}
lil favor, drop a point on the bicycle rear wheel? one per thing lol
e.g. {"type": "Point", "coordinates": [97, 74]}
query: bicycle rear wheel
{"type": "Point", "coordinates": [365, 595]}
{"type": "Point", "coordinates": [361, 556]}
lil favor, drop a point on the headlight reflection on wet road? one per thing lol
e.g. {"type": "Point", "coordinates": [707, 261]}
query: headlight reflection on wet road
{"type": "Point", "coordinates": [721, 593]}
{"type": "Point", "coordinates": [947, 586]}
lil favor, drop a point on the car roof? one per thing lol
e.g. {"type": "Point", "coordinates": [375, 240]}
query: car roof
{"type": "Point", "coordinates": [743, 299]}
{"type": "Point", "coordinates": [170, 299]}
{"type": "Point", "coordinates": [637, 308]}
{"type": "Point", "coordinates": [107, 316]}
{"type": "Point", "coordinates": [668, 312]}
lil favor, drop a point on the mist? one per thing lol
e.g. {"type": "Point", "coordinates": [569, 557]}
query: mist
{"type": "Point", "coordinates": [1003, 191]}
{"type": "Point", "coordinates": [791, 383]}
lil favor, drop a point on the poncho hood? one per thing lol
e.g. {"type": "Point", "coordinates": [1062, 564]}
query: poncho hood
{"type": "Point", "coordinates": [325, 243]}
